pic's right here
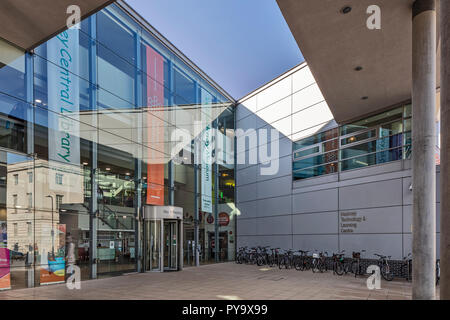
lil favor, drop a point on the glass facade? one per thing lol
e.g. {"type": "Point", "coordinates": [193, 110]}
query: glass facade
{"type": "Point", "coordinates": [93, 127]}
{"type": "Point", "coordinates": [374, 140]}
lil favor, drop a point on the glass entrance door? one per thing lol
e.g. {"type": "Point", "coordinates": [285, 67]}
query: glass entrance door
{"type": "Point", "coordinates": [152, 229]}
{"type": "Point", "coordinates": [170, 245]}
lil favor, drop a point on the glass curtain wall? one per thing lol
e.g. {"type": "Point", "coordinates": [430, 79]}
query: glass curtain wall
{"type": "Point", "coordinates": [90, 127]}
{"type": "Point", "coordinates": [374, 140]}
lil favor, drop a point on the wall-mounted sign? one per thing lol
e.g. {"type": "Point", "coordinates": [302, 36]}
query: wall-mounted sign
{"type": "Point", "coordinates": [206, 152]}
{"type": "Point", "coordinates": [63, 97]}
{"type": "Point", "coordinates": [224, 219]}
{"type": "Point", "coordinates": [5, 271]}
{"type": "Point", "coordinates": [163, 212]}
{"type": "Point", "coordinates": [155, 127]}
{"type": "Point", "coordinates": [349, 221]}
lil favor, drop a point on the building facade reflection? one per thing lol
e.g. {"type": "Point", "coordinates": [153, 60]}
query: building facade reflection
{"type": "Point", "coordinates": [89, 136]}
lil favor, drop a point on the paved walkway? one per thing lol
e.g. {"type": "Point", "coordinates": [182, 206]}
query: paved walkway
{"type": "Point", "coordinates": [221, 281]}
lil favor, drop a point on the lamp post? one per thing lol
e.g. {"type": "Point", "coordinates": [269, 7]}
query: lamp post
{"type": "Point", "coordinates": [53, 233]}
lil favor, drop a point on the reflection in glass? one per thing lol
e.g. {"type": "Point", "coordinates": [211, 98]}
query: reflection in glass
{"type": "Point", "coordinates": [100, 131]}
{"type": "Point", "coordinates": [374, 140]}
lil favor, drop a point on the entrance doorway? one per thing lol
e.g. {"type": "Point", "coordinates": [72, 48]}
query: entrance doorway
{"type": "Point", "coordinates": [170, 245]}
{"type": "Point", "coordinates": [223, 246]}
{"type": "Point", "coordinates": [162, 239]}
{"type": "Point", "coordinates": [152, 234]}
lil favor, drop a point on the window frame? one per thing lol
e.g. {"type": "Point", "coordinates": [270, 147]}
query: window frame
{"type": "Point", "coordinates": [402, 146]}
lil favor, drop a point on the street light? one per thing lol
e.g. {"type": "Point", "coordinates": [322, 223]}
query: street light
{"type": "Point", "coordinates": [53, 233]}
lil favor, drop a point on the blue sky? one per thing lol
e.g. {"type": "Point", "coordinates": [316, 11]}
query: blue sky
{"type": "Point", "coordinates": [241, 44]}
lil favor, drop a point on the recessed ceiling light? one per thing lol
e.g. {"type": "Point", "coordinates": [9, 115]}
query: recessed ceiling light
{"type": "Point", "coordinates": [127, 173]}
{"type": "Point", "coordinates": [358, 68]}
{"type": "Point", "coordinates": [346, 9]}
{"type": "Point", "coordinates": [365, 98]}
{"type": "Point", "coordinates": [107, 169]}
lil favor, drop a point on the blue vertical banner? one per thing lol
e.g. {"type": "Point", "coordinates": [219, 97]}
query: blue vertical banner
{"type": "Point", "coordinates": [64, 97]}
{"type": "Point", "coordinates": [206, 152]}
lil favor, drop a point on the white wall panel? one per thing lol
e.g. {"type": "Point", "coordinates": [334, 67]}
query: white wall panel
{"type": "Point", "coordinates": [276, 111]}
{"type": "Point", "coordinates": [311, 117]}
{"type": "Point", "coordinates": [302, 79]}
{"type": "Point", "coordinates": [276, 92]}
{"type": "Point", "coordinates": [306, 98]}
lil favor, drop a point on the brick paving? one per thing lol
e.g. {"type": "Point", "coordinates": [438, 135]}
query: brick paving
{"type": "Point", "coordinates": [221, 281]}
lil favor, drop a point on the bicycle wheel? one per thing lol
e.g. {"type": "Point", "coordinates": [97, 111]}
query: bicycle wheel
{"type": "Point", "coordinates": [315, 266]}
{"type": "Point", "coordinates": [259, 261]}
{"type": "Point", "coordinates": [347, 267]}
{"type": "Point", "coordinates": [306, 265]}
{"type": "Point", "coordinates": [339, 268]}
{"type": "Point", "coordinates": [287, 263]}
{"type": "Point", "coordinates": [386, 272]}
{"type": "Point", "coordinates": [354, 268]}
{"type": "Point", "coordinates": [270, 261]}
{"type": "Point", "coordinates": [298, 264]}
{"type": "Point", "coordinates": [322, 266]}
{"type": "Point", "coordinates": [281, 263]}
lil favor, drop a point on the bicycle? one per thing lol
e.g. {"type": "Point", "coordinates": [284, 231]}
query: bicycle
{"type": "Point", "coordinates": [240, 255]}
{"type": "Point", "coordinates": [355, 264]}
{"type": "Point", "coordinates": [319, 262]}
{"type": "Point", "coordinates": [338, 263]}
{"type": "Point", "coordinates": [251, 256]}
{"type": "Point", "coordinates": [303, 261]}
{"type": "Point", "coordinates": [287, 260]}
{"type": "Point", "coordinates": [407, 264]}
{"type": "Point", "coordinates": [273, 257]}
{"type": "Point", "coordinates": [246, 256]}
{"type": "Point", "coordinates": [438, 271]}
{"type": "Point", "coordinates": [383, 264]}
{"type": "Point", "coordinates": [262, 256]}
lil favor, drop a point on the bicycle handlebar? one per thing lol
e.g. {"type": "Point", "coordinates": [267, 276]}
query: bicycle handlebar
{"type": "Point", "coordinates": [381, 256]}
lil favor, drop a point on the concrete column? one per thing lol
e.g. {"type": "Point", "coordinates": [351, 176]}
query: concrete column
{"type": "Point", "coordinates": [445, 149]}
{"type": "Point", "coordinates": [423, 155]}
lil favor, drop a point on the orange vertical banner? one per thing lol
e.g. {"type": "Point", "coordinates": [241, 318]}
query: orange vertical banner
{"type": "Point", "coordinates": [155, 127]}
{"type": "Point", "coordinates": [5, 269]}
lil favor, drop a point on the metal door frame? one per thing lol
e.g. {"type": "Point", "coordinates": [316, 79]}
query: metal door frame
{"type": "Point", "coordinates": [147, 259]}
{"type": "Point", "coordinates": [179, 252]}
{"type": "Point", "coordinates": [178, 227]}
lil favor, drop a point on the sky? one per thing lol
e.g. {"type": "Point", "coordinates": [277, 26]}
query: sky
{"type": "Point", "coordinates": [240, 44]}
